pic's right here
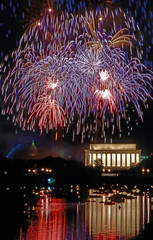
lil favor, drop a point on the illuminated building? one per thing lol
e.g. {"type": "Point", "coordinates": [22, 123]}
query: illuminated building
{"type": "Point", "coordinates": [32, 150]}
{"type": "Point", "coordinates": [112, 156]}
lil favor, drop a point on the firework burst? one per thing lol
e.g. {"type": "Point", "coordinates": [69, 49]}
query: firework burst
{"type": "Point", "coordinates": [68, 72]}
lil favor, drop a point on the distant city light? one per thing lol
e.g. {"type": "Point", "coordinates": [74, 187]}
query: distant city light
{"type": "Point", "coordinates": [51, 180]}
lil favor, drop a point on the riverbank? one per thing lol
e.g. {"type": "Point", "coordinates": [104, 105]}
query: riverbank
{"type": "Point", "coordinates": [71, 179]}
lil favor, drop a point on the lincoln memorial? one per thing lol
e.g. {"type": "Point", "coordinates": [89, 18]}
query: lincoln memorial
{"type": "Point", "coordinates": [112, 156]}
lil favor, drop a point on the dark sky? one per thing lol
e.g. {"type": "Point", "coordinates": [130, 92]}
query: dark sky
{"type": "Point", "coordinates": [15, 16]}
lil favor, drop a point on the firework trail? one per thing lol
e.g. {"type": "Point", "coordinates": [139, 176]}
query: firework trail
{"type": "Point", "coordinates": [75, 70]}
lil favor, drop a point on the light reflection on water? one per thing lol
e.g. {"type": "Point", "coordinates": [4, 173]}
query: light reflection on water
{"type": "Point", "coordinates": [122, 220]}
{"type": "Point", "coordinates": [56, 219]}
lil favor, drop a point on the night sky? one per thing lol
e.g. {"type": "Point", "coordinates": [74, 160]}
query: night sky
{"type": "Point", "coordinates": [15, 16]}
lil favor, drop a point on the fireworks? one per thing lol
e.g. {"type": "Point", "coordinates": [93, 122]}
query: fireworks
{"type": "Point", "coordinates": [48, 113]}
{"type": "Point", "coordinates": [69, 72]}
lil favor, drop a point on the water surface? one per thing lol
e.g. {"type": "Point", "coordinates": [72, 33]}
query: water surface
{"type": "Point", "coordinates": [56, 218]}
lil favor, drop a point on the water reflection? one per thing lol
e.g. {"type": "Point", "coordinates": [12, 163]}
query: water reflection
{"type": "Point", "coordinates": [95, 219]}
{"type": "Point", "coordinates": [50, 221]}
{"type": "Point", "coordinates": [123, 220]}
{"type": "Point", "coordinates": [56, 220]}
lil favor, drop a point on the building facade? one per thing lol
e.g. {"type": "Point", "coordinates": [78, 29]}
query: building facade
{"type": "Point", "coordinates": [112, 156]}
